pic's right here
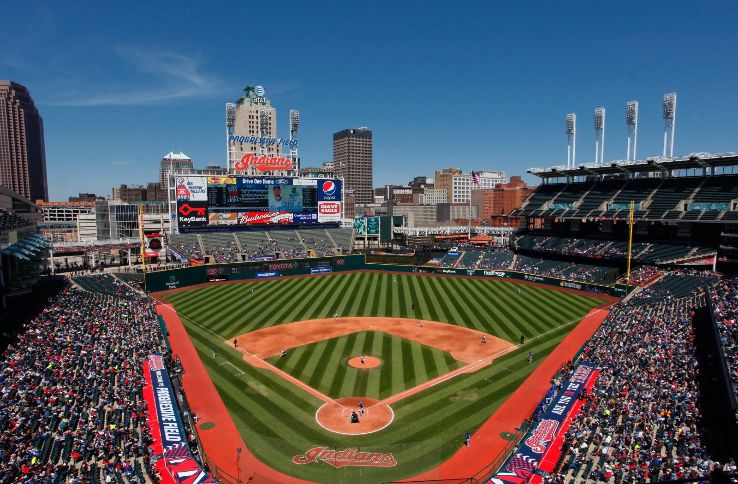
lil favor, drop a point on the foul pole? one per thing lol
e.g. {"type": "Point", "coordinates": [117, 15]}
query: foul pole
{"type": "Point", "coordinates": [143, 241]}
{"type": "Point", "coordinates": [630, 241]}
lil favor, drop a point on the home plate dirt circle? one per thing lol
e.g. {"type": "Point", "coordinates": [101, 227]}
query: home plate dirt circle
{"type": "Point", "coordinates": [369, 362]}
{"type": "Point", "coordinates": [335, 416]}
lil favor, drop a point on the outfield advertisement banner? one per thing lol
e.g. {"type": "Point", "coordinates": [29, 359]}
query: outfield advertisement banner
{"type": "Point", "coordinates": [522, 464]}
{"type": "Point", "coordinates": [618, 290]}
{"type": "Point", "coordinates": [175, 463]}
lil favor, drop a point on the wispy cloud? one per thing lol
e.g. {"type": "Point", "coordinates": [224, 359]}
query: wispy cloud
{"type": "Point", "coordinates": [163, 77]}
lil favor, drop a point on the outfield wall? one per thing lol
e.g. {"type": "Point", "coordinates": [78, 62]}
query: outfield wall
{"type": "Point", "coordinates": [189, 276]}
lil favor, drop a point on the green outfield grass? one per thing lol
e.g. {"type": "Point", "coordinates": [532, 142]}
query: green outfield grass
{"type": "Point", "coordinates": [276, 418]}
{"type": "Point", "coordinates": [324, 366]}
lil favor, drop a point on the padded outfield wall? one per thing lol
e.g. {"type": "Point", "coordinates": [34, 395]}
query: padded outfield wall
{"type": "Point", "coordinates": [189, 276]}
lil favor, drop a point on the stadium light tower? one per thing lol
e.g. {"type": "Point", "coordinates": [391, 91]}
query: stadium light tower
{"type": "Point", "coordinates": [230, 129]}
{"type": "Point", "coordinates": [631, 122]}
{"type": "Point", "coordinates": [294, 128]}
{"type": "Point", "coordinates": [571, 145]}
{"type": "Point", "coordinates": [669, 115]}
{"type": "Point", "coordinates": [599, 125]}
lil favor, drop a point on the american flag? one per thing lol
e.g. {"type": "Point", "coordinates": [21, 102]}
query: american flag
{"type": "Point", "coordinates": [475, 178]}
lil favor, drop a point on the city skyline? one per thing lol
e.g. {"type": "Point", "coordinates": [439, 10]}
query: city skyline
{"type": "Point", "coordinates": [477, 86]}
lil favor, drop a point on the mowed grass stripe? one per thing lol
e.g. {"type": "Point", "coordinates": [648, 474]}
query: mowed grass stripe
{"type": "Point", "coordinates": [295, 304]}
{"type": "Point", "coordinates": [373, 381]}
{"type": "Point", "coordinates": [437, 313]}
{"type": "Point", "coordinates": [362, 379]}
{"type": "Point", "coordinates": [359, 300]}
{"type": "Point", "coordinates": [420, 374]}
{"type": "Point", "coordinates": [239, 321]}
{"type": "Point", "coordinates": [270, 314]}
{"type": "Point", "coordinates": [343, 301]}
{"type": "Point", "coordinates": [498, 322]}
{"type": "Point", "coordinates": [276, 310]}
{"type": "Point", "coordinates": [334, 386]}
{"type": "Point", "coordinates": [464, 306]}
{"type": "Point", "coordinates": [499, 293]}
{"type": "Point", "coordinates": [421, 304]}
{"type": "Point", "coordinates": [351, 374]}
{"type": "Point", "coordinates": [318, 306]}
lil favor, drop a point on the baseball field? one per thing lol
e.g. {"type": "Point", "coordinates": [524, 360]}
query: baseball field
{"type": "Point", "coordinates": [284, 355]}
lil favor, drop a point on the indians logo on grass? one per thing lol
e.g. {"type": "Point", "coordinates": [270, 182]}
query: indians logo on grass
{"type": "Point", "coordinates": [542, 436]}
{"type": "Point", "coordinates": [345, 458]}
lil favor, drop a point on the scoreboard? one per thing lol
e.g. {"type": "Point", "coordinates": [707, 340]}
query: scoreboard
{"type": "Point", "coordinates": [207, 201]}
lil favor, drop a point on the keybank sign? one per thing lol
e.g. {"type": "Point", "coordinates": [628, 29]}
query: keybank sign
{"type": "Point", "coordinates": [263, 140]}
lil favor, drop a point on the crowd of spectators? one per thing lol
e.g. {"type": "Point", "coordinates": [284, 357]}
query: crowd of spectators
{"type": "Point", "coordinates": [71, 407]}
{"type": "Point", "coordinates": [724, 296]}
{"type": "Point", "coordinates": [641, 276]}
{"type": "Point", "coordinates": [225, 252]}
{"type": "Point", "coordinates": [641, 422]}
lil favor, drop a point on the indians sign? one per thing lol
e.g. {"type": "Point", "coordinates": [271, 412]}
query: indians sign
{"type": "Point", "coordinates": [345, 458]}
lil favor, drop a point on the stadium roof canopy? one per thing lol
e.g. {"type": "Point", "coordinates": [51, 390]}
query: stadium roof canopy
{"type": "Point", "coordinates": [654, 164]}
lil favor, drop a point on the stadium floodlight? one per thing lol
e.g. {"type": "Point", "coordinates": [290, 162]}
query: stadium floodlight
{"type": "Point", "coordinates": [294, 120]}
{"type": "Point", "coordinates": [631, 122]}
{"type": "Point", "coordinates": [669, 109]}
{"type": "Point", "coordinates": [230, 115]}
{"type": "Point", "coordinates": [571, 133]}
{"type": "Point", "coordinates": [599, 125]}
{"type": "Point", "coordinates": [669, 114]}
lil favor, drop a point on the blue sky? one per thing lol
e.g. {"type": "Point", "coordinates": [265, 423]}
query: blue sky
{"type": "Point", "coordinates": [477, 85]}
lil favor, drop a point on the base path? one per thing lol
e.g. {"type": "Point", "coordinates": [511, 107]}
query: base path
{"type": "Point", "coordinates": [336, 416]}
{"type": "Point", "coordinates": [463, 344]}
{"type": "Point", "coordinates": [221, 441]}
{"type": "Point", "coordinates": [487, 443]}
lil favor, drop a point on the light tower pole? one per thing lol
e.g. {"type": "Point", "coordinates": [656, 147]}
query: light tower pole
{"type": "Point", "coordinates": [571, 145]}
{"type": "Point", "coordinates": [230, 129]}
{"type": "Point", "coordinates": [294, 128]}
{"type": "Point", "coordinates": [669, 114]}
{"type": "Point", "coordinates": [599, 125]}
{"type": "Point", "coordinates": [631, 122]}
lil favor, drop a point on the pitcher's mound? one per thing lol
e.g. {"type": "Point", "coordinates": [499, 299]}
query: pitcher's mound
{"type": "Point", "coordinates": [369, 362]}
{"type": "Point", "coordinates": [336, 417]}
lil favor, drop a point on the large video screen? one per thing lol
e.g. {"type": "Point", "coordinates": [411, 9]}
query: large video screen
{"type": "Point", "coordinates": [208, 201]}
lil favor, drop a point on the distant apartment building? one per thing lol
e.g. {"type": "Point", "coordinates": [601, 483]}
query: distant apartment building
{"type": "Point", "coordinates": [64, 211]}
{"type": "Point", "coordinates": [353, 161]}
{"type": "Point", "coordinates": [459, 185]}
{"type": "Point", "coordinates": [432, 196]}
{"type": "Point", "coordinates": [211, 170]}
{"type": "Point", "coordinates": [456, 212]}
{"type": "Point", "coordinates": [22, 149]}
{"type": "Point", "coordinates": [129, 194]}
{"type": "Point", "coordinates": [86, 197]}
{"type": "Point", "coordinates": [417, 215]}
{"type": "Point", "coordinates": [502, 199]}
{"type": "Point", "coordinates": [175, 163]}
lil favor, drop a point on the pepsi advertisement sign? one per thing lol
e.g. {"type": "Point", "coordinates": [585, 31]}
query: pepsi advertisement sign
{"type": "Point", "coordinates": [329, 190]}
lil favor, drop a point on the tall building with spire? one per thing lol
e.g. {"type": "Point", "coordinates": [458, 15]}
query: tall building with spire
{"type": "Point", "coordinates": [251, 129]}
{"type": "Point", "coordinates": [22, 150]}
